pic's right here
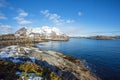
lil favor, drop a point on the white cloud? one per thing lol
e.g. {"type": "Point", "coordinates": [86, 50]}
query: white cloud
{"type": "Point", "coordinates": [22, 13]}
{"type": "Point", "coordinates": [55, 18]}
{"type": "Point", "coordinates": [2, 16]}
{"type": "Point", "coordinates": [5, 28]}
{"type": "Point", "coordinates": [79, 13]}
{"type": "Point", "coordinates": [24, 22]}
{"type": "Point", "coordinates": [69, 21]}
{"type": "Point", "coordinates": [21, 17]}
{"type": "Point", "coordinates": [45, 12]}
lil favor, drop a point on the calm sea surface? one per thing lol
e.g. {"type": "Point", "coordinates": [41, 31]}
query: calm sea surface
{"type": "Point", "coordinates": [101, 56]}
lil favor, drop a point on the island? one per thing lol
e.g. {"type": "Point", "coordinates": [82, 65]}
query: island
{"type": "Point", "coordinates": [100, 37]}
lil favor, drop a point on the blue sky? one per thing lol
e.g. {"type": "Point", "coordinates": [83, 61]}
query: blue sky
{"type": "Point", "coordinates": [74, 17]}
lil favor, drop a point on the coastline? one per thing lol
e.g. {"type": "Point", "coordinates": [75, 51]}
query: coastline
{"type": "Point", "coordinates": [74, 65]}
{"type": "Point", "coordinates": [69, 68]}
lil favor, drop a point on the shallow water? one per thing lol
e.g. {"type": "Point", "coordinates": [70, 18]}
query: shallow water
{"type": "Point", "coordinates": [102, 56]}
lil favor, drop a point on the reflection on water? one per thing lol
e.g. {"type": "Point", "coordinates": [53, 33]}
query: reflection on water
{"type": "Point", "coordinates": [50, 45]}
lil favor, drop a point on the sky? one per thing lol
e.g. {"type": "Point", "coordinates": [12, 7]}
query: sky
{"type": "Point", "coordinates": [74, 17]}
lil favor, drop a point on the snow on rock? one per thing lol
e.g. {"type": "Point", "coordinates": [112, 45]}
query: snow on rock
{"type": "Point", "coordinates": [18, 73]}
{"type": "Point", "coordinates": [16, 60]}
{"type": "Point", "coordinates": [57, 31]}
{"type": "Point", "coordinates": [13, 51]}
{"type": "Point", "coordinates": [16, 54]}
{"type": "Point", "coordinates": [8, 52]}
{"type": "Point", "coordinates": [46, 30]}
{"type": "Point", "coordinates": [33, 30]}
{"type": "Point", "coordinates": [27, 50]}
{"type": "Point", "coordinates": [32, 59]}
{"type": "Point", "coordinates": [4, 54]}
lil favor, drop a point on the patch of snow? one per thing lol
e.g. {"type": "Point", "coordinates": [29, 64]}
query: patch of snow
{"type": "Point", "coordinates": [16, 53]}
{"type": "Point", "coordinates": [45, 30]}
{"type": "Point", "coordinates": [27, 49]}
{"type": "Point", "coordinates": [37, 78]}
{"type": "Point", "coordinates": [23, 77]}
{"type": "Point", "coordinates": [4, 54]}
{"type": "Point", "coordinates": [30, 78]}
{"type": "Point", "coordinates": [57, 31]}
{"type": "Point", "coordinates": [10, 51]}
{"type": "Point", "coordinates": [16, 60]}
{"type": "Point", "coordinates": [32, 59]}
{"type": "Point", "coordinates": [18, 73]}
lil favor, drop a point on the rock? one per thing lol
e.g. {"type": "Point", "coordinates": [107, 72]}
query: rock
{"type": "Point", "coordinates": [69, 68]}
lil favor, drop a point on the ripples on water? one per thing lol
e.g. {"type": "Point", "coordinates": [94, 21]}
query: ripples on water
{"type": "Point", "coordinates": [102, 56]}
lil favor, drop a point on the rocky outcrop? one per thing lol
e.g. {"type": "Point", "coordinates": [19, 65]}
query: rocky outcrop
{"type": "Point", "coordinates": [67, 67]}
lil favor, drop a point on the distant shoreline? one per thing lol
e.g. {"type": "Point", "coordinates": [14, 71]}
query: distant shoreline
{"type": "Point", "coordinates": [100, 37]}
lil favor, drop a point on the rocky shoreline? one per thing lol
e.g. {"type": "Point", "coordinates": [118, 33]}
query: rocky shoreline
{"type": "Point", "coordinates": [66, 67]}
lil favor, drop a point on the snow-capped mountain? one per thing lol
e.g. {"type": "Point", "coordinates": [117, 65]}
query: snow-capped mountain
{"type": "Point", "coordinates": [45, 30]}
